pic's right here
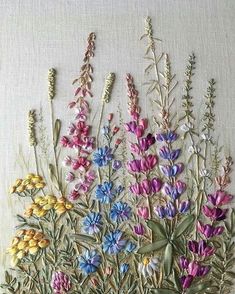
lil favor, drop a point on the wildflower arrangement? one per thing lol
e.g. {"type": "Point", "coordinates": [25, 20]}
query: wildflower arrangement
{"type": "Point", "coordinates": [140, 206]}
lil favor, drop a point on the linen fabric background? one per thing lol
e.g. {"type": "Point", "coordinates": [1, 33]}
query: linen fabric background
{"type": "Point", "coordinates": [36, 35]}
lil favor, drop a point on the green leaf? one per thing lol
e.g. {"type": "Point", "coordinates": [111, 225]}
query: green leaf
{"type": "Point", "coordinates": [183, 226]}
{"type": "Point", "coordinates": [157, 228]}
{"type": "Point", "coordinates": [168, 259]}
{"type": "Point", "coordinates": [84, 238]}
{"type": "Point", "coordinates": [163, 291]}
{"type": "Point", "coordinates": [57, 128]}
{"type": "Point", "coordinates": [153, 246]}
{"type": "Point", "coordinates": [176, 280]}
{"type": "Point", "coordinates": [199, 288]}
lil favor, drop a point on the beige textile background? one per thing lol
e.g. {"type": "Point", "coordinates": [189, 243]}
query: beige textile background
{"type": "Point", "coordinates": [36, 35]}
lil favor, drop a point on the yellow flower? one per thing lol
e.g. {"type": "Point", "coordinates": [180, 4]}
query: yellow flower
{"type": "Point", "coordinates": [29, 176]}
{"type": "Point", "coordinates": [37, 199]}
{"type": "Point", "coordinates": [38, 236]}
{"type": "Point", "coordinates": [61, 200]}
{"type": "Point", "coordinates": [40, 185]}
{"type": "Point", "coordinates": [30, 187]}
{"type": "Point", "coordinates": [32, 243]}
{"type": "Point", "coordinates": [27, 237]}
{"type": "Point", "coordinates": [14, 261]}
{"type": "Point", "coordinates": [60, 208]}
{"type": "Point", "coordinates": [48, 206]}
{"type": "Point", "coordinates": [20, 254]}
{"type": "Point", "coordinates": [15, 241]}
{"type": "Point", "coordinates": [21, 233]}
{"type": "Point", "coordinates": [43, 201]}
{"type": "Point", "coordinates": [40, 212]}
{"type": "Point", "coordinates": [37, 179]}
{"type": "Point", "coordinates": [25, 182]}
{"type": "Point", "coordinates": [33, 250]}
{"type": "Point", "coordinates": [68, 205]}
{"type": "Point", "coordinates": [28, 212]}
{"type": "Point", "coordinates": [20, 189]}
{"type": "Point", "coordinates": [51, 199]}
{"type": "Point", "coordinates": [12, 250]}
{"type": "Point", "coordinates": [30, 232]}
{"type": "Point", "coordinates": [43, 243]}
{"type": "Point", "coordinates": [22, 245]}
{"type": "Point", "coordinates": [18, 182]}
{"type": "Point", "coordinates": [12, 190]}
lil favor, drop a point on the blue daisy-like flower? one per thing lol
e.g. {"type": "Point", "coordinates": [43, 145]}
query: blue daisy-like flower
{"type": "Point", "coordinates": [120, 212]}
{"type": "Point", "coordinates": [113, 242]}
{"type": "Point", "coordinates": [92, 223]}
{"type": "Point", "coordinates": [89, 261]}
{"type": "Point", "coordinates": [102, 156]}
{"type": "Point", "coordinates": [130, 247]}
{"type": "Point", "coordinates": [104, 193]}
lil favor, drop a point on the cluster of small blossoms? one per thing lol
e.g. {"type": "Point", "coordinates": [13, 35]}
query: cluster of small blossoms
{"type": "Point", "coordinates": [78, 136]}
{"type": "Point", "coordinates": [26, 242]}
{"type": "Point", "coordinates": [172, 188]}
{"type": "Point", "coordinates": [214, 212]}
{"type": "Point", "coordinates": [143, 161]}
{"type": "Point", "coordinates": [60, 283]}
{"type": "Point", "coordinates": [43, 204]}
{"type": "Point", "coordinates": [31, 184]}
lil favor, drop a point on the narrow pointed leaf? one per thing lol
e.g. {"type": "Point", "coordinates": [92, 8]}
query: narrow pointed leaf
{"type": "Point", "coordinates": [183, 226]}
{"type": "Point", "coordinates": [157, 228]}
{"type": "Point", "coordinates": [200, 288]}
{"type": "Point", "coordinates": [153, 247]}
{"type": "Point", "coordinates": [168, 259]}
{"type": "Point", "coordinates": [163, 291]}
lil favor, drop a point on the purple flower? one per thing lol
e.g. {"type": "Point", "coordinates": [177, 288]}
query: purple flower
{"type": "Point", "coordinates": [170, 210]}
{"type": "Point", "coordinates": [168, 137]}
{"type": "Point", "coordinates": [184, 206]}
{"type": "Point", "coordinates": [208, 230]}
{"type": "Point", "coordinates": [60, 283]}
{"type": "Point", "coordinates": [160, 211]}
{"type": "Point", "coordinates": [183, 262]}
{"type": "Point", "coordinates": [219, 198]}
{"type": "Point", "coordinates": [195, 269]}
{"type": "Point", "coordinates": [166, 153]}
{"type": "Point", "coordinates": [145, 143]}
{"type": "Point", "coordinates": [215, 214]}
{"type": "Point", "coordinates": [139, 229]}
{"type": "Point", "coordinates": [201, 248]}
{"type": "Point", "coordinates": [70, 177]}
{"type": "Point", "coordinates": [174, 191]}
{"type": "Point", "coordinates": [171, 171]}
{"type": "Point", "coordinates": [116, 164]}
{"type": "Point", "coordinates": [186, 281]}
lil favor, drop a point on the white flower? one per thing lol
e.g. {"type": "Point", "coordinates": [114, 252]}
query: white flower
{"type": "Point", "coordinates": [187, 127]}
{"type": "Point", "coordinates": [206, 137]}
{"type": "Point", "coordinates": [204, 172]}
{"type": "Point", "coordinates": [194, 149]}
{"type": "Point", "coordinates": [148, 266]}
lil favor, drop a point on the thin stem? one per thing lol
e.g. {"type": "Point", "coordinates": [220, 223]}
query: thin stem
{"type": "Point", "coordinates": [36, 159]}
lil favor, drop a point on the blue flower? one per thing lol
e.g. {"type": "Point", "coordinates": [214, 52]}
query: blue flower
{"type": "Point", "coordinates": [130, 247]}
{"type": "Point", "coordinates": [168, 137]}
{"type": "Point", "coordinates": [104, 192]}
{"type": "Point", "coordinates": [170, 209]}
{"type": "Point", "coordinates": [92, 223]}
{"type": "Point", "coordinates": [184, 206]}
{"type": "Point", "coordinates": [105, 130]}
{"type": "Point", "coordinates": [119, 189]}
{"type": "Point", "coordinates": [89, 262]}
{"type": "Point", "coordinates": [102, 156]}
{"type": "Point", "coordinates": [124, 267]}
{"type": "Point", "coordinates": [120, 212]}
{"type": "Point", "coordinates": [166, 153]}
{"type": "Point", "coordinates": [114, 242]}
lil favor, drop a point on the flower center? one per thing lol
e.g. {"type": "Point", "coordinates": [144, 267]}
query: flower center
{"type": "Point", "coordinates": [146, 260]}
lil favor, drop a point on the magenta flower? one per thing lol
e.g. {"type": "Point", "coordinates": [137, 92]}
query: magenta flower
{"type": "Point", "coordinates": [139, 230]}
{"type": "Point", "coordinates": [74, 195]}
{"type": "Point", "coordinates": [64, 141]}
{"type": "Point", "coordinates": [60, 283]}
{"type": "Point", "coordinates": [219, 198]}
{"type": "Point", "coordinates": [183, 262]}
{"type": "Point", "coordinates": [215, 213]}
{"type": "Point", "coordinates": [136, 189]}
{"type": "Point", "coordinates": [186, 281]}
{"type": "Point", "coordinates": [201, 248]}
{"type": "Point", "coordinates": [208, 230]}
{"type": "Point", "coordinates": [70, 177]}
{"type": "Point", "coordinates": [143, 212]}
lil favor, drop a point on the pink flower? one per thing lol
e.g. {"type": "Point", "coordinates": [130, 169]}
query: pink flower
{"type": "Point", "coordinates": [139, 230]}
{"type": "Point", "coordinates": [156, 184]}
{"type": "Point", "coordinates": [74, 195]}
{"type": "Point", "coordinates": [67, 161]}
{"type": "Point", "coordinates": [146, 186]}
{"type": "Point", "coordinates": [81, 163]}
{"type": "Point", "coordinates": [144, 123]}
{"type": "Point", "coordinates": [216, 214]}
{"type": "Point", "coordinates": [64, 141]}
{"type": "Point", "coordinates": [219, 198]}
{"type": "Point", "coordinates": [143, 212]}
{"type": "Point", "coordinates": [81, 113]}
{"type": "Point", "coordinates": [69, 177]}
{"type": "Point", "coordinates": [136, 189]}
{"type": "Point", "coordinates": [208, 230]}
